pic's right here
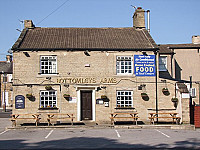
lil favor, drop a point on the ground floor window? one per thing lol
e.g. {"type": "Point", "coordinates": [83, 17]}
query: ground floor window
{"type": "Point", "coordinates": [124, 98]}
{"type": "Point", "coordinates": [48, 99]}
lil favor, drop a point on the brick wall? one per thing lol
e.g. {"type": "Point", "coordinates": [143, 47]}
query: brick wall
{"type": "Point", "coordinates": [197, 116]}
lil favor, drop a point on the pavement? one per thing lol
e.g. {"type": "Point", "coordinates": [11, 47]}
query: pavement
{"type": "Point", "coordinates": [5, 123]}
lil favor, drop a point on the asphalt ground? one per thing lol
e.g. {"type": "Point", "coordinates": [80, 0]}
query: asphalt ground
{"type": "Point", "coordinates": [90, 138]}
{"type": "Point", "coordinates": [83, 138]}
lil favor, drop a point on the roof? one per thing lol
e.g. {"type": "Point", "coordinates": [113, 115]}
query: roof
{"type": "Point", "coordinates": [164, 49]}
{"type": "Point", "coordinates": [182, 88]}
{"type": "Point", "coordinates": [6, 67]}
{"type": "Point", "coordinates": [85, 38]}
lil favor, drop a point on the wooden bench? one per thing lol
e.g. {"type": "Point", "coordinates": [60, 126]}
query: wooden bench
{"type": "Point", "coordinates": [123, 115]}
{"type": "Point", "coordinates": [58, 117]}
{"type": "Point", "coordinates": [16, 117]}
{"type": "Point", "coordinates": [165, 115]}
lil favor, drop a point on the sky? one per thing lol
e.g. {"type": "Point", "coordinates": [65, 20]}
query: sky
{"type": "Point", "coordinates": [171, 21]}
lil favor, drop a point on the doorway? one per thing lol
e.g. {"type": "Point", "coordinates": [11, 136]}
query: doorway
{"type": "Point", "coordinates": [86, 105]}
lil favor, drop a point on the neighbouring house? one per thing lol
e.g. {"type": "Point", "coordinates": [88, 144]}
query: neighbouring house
{"type": "Point", "coordinates": [6, 71]}
{"type": "Point", "coordinates": [102, 70]}
{"type": "Point", "coordinates": [181, 63]}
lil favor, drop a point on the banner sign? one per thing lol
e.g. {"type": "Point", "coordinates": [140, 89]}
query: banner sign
{"type": "Point", "coordinates": [144, 65]}
{"type": "Point", "coordinates": [19, 102]}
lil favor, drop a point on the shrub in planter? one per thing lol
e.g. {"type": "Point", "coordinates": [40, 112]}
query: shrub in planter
{"type": "Point", "coordinates": [174, 99]}
{"type": "Point", "coordinates": [103, 97]}
{"type": "Point", "coordinates": [29, 95]}
{"type": "Point", "coordinates": [144, 94]}
{"type": "Point", "coordinates": [48, 87]}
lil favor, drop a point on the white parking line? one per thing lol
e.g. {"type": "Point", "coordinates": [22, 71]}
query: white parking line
{"type": "Point", "coordinates": [49, 134]}
{"type": "Point", "coordinates": [163, 133]}
{"type": "Point", "coordinates": [117, 133]}
{"type": "Point", "coordinates": [3, 132]}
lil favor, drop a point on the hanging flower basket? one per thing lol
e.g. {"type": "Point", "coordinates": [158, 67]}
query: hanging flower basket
{"type": "Point", "coordinates": [66, 96]}
{"type": "Point", "coordinates": [48, 87]}
{"type": "Point", "coordinates": [174, 100]}
{"type": "Point", "coordinates": [145, 96]}
{"type": "Point", "coordinates": [30, 97]}
{"type": "Point", "coordinates": [165, 91]}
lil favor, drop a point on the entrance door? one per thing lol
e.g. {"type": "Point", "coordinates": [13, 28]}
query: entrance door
{"type": "Point", "coordinates": [86, 105]}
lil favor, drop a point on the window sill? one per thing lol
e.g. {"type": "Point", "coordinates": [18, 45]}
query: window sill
{"type": "Point", "coordinates": [48, 108]}
{"type": "Point", "coordinates": [48, 73]}
{"type": "Point", "coordinates": [124, 108]}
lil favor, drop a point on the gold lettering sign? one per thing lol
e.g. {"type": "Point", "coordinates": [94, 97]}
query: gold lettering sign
{"type": "Point", "coordinates": [86, 80]}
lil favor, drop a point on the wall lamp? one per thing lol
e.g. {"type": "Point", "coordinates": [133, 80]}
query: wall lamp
{"type": "Point", "coordinates": [86, 52]}
{"type": "Point", "coordinates": [144, 53]}
{"type": "Point", "coordinates": [26, 54]}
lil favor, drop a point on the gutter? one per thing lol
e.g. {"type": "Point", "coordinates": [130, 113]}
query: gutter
{"type": "Point", "coordinates": [83, 49]}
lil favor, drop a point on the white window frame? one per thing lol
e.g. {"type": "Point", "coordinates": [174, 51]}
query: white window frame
{"type": "Point", "coordinates": [121, 64]}
{"type": "Point", "coordinates": [48, 96]}
{"type": "Point", "coordinates": [123, 96]}
{"type": "Point", "coordinates": [163, 63]}
{"type": "Point", "coordinates": [48, 64]}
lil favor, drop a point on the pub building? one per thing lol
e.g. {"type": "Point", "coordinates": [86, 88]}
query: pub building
{"type": "Point", "coordinates": [92, 72]}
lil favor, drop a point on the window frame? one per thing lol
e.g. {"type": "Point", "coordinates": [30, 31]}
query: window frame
{"type": "Point", "coordinates": [163, 64]}
{"type": "Point", "coordinates": [48, 96]}
{"type": "Point", "coordinates": [118, 101]}
{"type": "Point", "coordinates": [53, 65]}
{"type": "Point", "coordinates": [119, 66]}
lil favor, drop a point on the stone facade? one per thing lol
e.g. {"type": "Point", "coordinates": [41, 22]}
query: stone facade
{"type": "Point", "coordinates": [78, 72]}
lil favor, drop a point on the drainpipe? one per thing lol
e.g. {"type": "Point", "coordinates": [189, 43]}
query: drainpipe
{"type": "Point", "coordinates": [156, 84]}
{"type": "Point", "coordinates": [148, 20]}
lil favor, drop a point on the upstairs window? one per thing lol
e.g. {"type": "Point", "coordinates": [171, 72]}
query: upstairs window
{"type": "Point", "coordinates": [124, 65]}
{"type": "Point", "coordinates": [162, 63]}
{"type": "Point", "coordinates": [48, 64]}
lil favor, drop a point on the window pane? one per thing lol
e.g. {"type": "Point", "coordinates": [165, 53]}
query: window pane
{"type": "Point", "coordinates": [47, 99]}
{"type": "Point", "coordinates": [124, 99]}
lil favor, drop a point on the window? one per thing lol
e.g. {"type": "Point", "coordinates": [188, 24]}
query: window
{"type": "Point", "coordinates": [124, 65]}
{"type": "Point", "coordinates": [162, 63]}
{"type": "Point", "coordinates": [124, 98]}
{"type": "Point", "coordinates": [48, 99]}
{"type": "Point", "coordinates": [48, 64]}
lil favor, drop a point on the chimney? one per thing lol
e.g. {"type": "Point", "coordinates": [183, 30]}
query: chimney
{"type": "Point", "coordinates": [28, 24]}
{"type": "Point", "coordinates": [196, 39]}
{"type": "Point", "coordinates": [139, 18]}
{"type": "Point", "coordinates": [8, 58]}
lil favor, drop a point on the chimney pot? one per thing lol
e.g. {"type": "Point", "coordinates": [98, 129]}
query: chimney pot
{"type": "Point", "coordinates": [139, 18]}
{"type": "Point", "coordinates": [8, 58]}
{"type": "Point", "coordinates": [196, 39]}
{"type": "Point", "coordinates": [28, 24]}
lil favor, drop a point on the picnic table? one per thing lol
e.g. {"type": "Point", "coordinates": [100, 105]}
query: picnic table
{"type": "Point", "coordinates": [59, 116]}
{"type": "Point", "coordinates": [124, 115]}
{"type": "Point", "coordinates": [170, 115]}
{"type": "Point", "coordinates": [16, 117]}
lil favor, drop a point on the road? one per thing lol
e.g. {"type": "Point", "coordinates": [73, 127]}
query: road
{"type": "Point", "coordinates": [99, 138]}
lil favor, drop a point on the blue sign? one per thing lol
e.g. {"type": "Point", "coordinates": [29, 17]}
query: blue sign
{"type": "Point", "coordinates": [19, 102]}
{"type": "Point", "coordinates": [144, 65]}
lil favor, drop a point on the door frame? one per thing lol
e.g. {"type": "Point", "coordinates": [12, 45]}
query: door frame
{"type": "Point", "coordinates": [82, 101]}
{"type": "Point", "coordinates": [79, 89]}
